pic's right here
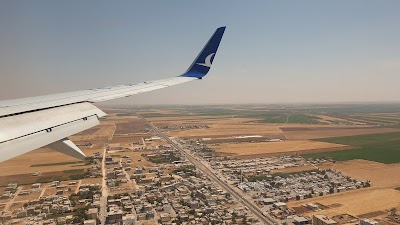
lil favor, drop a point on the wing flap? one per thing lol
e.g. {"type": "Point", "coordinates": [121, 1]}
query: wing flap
{"type": "Point", "coordinates": [67, 147]}
{"type": "Point", "coordinates": [22, 133]}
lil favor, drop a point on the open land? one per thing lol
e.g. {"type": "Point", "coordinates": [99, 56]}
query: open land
{"type": "Point", "coordinates": [316, 131]}
{"type": "Point", "coordinates": [370, 202]}
{"type": "Point", "coordinates": [275, 148]}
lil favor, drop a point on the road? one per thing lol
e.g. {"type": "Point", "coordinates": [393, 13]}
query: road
{"type": "Point", "coordinates": [199, 165]}
{"type": "Point", "coordinates": [104, 190]}
{"type": "Point", "coordinates": [9, 204]}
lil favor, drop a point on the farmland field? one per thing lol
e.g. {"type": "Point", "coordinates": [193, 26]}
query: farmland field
{"type": "Point", "coordinates": [384, 148]}
{"type": "Point", "coordinates": [274, 148]}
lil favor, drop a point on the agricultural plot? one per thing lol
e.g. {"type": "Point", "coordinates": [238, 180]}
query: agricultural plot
{"type": "Point", "coordinates": [356, 203]}
{"type": "Point", "coordinates": [42, 160]}
{"type": "Point", "coordinates": [307, 132]}
{"type": "Point", "coordinates": [262, 149]}
{"type": "Point", "coordinates": [384, 148]}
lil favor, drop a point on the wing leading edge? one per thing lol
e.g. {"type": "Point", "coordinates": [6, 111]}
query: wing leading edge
{"type": "Point", "coordinates": [30, 123]}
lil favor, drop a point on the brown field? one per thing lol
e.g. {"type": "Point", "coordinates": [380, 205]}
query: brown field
{"type": "Point", "coordinates": [16, 205]}
{"type": "Point", "coordinates": [156, 143]}
{"type": "Point", "coordinates": [381, 175]}
{"type": "Point", "coordinates": [238, 140]}
{"type": "Point", "coordinates": [367, 202]}
{"type": "Point", "coordinates": [131, 126]}
{"type": "Point", "coordinates": [227, 127]}
{"type": "Point", "coordinates": [294, 169]}
{"type": "Point", "coordinates": [135, 156]}
{"type": "Point", "coordinates": [32, 196]}
{"type": "Point", "coordinates": [357, 202]}
{"type": "Point", "coordinates": [26, 178]}
{"type": "Point", "coordinates": [101, 135]}
{"type": "Point", "coordinates": [265, 148]}
{"type": "Point", "coordinates": [128, 139]}
{"type": "Point", "coordinates": [90, 131]}
{"type": "Point", "coordinates": [92, 181]}
{"type": "Point", "coordinates": [22, 164]}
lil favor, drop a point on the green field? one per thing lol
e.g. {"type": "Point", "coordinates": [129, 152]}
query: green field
{"type": "Point", "coordinates": [384, 148]}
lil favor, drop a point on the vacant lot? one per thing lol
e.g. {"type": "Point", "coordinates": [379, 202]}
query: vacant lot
{"type": "Point", "coordinates": [137, 159]}
{"type": "Point", "coordinates": [370, 201]}
{"type": "Point", "coordinates": [294, 169]}
{"type": "Point", "coordinates": [356, 203]}
{"type": "Point", "coordinates": [384, 148]}
{"type": "Point", "coordinates": [381, 175]}
{"type": "Point", "coordinates": [32, 196]}
{"type": "Point", "coordinates": [92, 181]}
{"type": "Point", "coordinates": [274, 148]}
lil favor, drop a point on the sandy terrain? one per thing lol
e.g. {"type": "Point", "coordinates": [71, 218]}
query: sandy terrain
{"type": "Point", "coordinates": [283, 147]}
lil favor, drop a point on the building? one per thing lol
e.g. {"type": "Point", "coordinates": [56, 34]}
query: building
{"type": "Point", "coordinates": [114, 217]}
{"type": "Point", "coordinates": [368, 222]}
{"type": "Point", "coordinates": [89, 222]}
{"type": "Point", "coordinates": [165, 217]}
{"type": "Point", "coordinates": [129, 219]}
{"type": "Point", "coordinates": [36, 186]}
{"type": "Point", "coordinates": [323, 220]}
{"type": "Point", "coordinates": [92, 213]}
{"type": "Point", "coordinates": [297, 220]}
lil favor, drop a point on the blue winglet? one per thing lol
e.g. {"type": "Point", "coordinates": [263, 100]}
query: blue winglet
{"type": "Point", "coordinates": [202, 64]}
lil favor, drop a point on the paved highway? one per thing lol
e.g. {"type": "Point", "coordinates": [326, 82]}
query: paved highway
{"type": "Point", "coordinates": [251, 206]}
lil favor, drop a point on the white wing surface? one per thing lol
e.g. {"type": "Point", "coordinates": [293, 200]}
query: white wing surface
{"type": "Point", "coordinates": [30, 123]}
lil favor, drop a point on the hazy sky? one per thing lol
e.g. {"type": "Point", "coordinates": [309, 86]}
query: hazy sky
{"type": "Point", "coordinates": [272, 51]}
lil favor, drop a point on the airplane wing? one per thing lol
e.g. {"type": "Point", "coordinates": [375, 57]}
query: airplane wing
{"type": "Point", "coordinates": [30, 123]}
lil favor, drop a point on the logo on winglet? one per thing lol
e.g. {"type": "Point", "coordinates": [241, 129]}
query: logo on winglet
{"type": "Point", "coordinates": [207, 61]}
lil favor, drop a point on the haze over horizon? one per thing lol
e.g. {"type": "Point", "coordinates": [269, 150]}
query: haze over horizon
{"type": "Point", "coordinates": [272, 52]}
